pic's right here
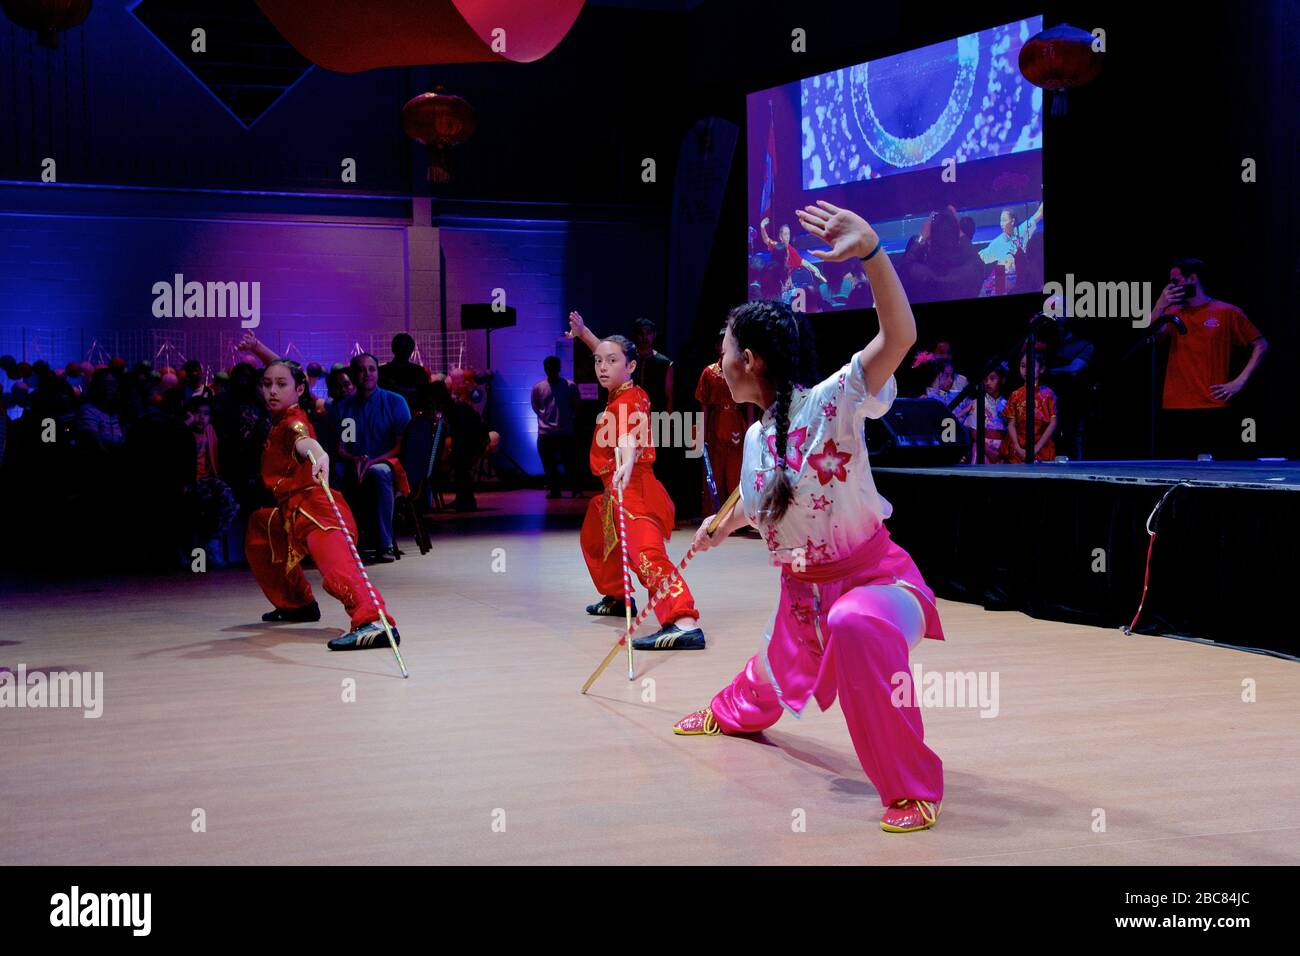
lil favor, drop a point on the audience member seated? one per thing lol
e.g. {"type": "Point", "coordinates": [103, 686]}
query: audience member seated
{"type": "Point", "coordinates": [370, 424]}
{"type": "Point", "coordinates": [98, 423]}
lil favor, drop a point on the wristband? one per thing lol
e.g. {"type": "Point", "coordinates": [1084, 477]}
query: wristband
{"type": "Point", "coordinates": [868, 256]}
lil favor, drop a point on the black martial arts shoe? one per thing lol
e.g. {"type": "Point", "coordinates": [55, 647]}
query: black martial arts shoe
{"type": "Point", "coordinates": [292, 615]}
{"type": "Point", "coordinates": [366, 636]}
{"type": "Point", "coordinates": [610, 607]}
{"type": "Point", "coordinates": [671, 638]}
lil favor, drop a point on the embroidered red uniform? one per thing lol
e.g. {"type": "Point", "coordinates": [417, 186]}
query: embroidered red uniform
{"type": "Point", "coordinates": [648, 509]}
{"type": "Point", "coordinates": [302, 524]}
{"type": "Point", "coordinates": [726, 431]}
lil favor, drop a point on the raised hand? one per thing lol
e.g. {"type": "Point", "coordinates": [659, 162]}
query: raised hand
{"type": "Point", "coordinates": [847, 233]}
{"type": "Point", "coordinates": [576, 326]}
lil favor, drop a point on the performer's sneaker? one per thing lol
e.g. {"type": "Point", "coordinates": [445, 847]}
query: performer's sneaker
{"type": "Point", "coordinates": [292, 615]}
{"type": "Point", "coordinates": [906, 816]}
{"type": "Point", "coordinates": [366, 636]}
{"type": "Point", "coordinates": [610, 607]}
{"type": "Point", "coordinates": [671, 638]}
{"type": "Point", "coordinates": [697, 723]}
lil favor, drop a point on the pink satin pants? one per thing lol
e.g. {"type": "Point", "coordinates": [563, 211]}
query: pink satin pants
{"type": "Point", "coordinates": [872, 628]}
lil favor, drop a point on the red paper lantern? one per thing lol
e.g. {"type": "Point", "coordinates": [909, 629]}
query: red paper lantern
{"type": "Point", "coordinates": [439, 121]}
{"type": "Point", "coordinates": [47, 17]}
{"type": "Point", "coordinates": [1060, 59]}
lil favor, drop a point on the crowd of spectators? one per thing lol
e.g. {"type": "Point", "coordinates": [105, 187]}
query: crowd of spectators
{"type": "Point", "coordinates": [132, 466]}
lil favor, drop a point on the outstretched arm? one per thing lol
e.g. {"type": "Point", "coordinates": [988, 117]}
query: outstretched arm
{"type": "Point", "coordinates": [850, 235]}
{"type": "Point", "coordinates": [578, 330]}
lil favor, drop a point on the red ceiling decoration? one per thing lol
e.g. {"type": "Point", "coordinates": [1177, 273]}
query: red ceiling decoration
{"type": "Point", "coordinates": [354, 35]}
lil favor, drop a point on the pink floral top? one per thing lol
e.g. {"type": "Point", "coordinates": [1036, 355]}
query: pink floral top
{"type": "Point", "coordinates": [836, 507]}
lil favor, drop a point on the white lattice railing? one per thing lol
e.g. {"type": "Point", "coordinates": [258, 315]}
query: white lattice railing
{"type": "Point", "coordinates": [217, 349]}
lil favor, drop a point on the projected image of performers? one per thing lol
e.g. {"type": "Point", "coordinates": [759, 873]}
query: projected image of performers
{"type": "Point", "coordinates": [942, 143]}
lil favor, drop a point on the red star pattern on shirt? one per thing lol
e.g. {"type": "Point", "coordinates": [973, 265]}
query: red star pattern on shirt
{"type": "Point", "coordinates": [772, 542]}
{"type": "Point", "coordinates": [820, 502]}
{"type": "Point", "coordinates": [830, 463]}
{"type": "Point", "coordinates": [793, 447]}
{"type": "Point", "coordinates": [840, 383]}
{"type": "Point", "coordinates": [829, 409]}
{"type": "Point", "coordinates": [815, 553]}
{"type": "Point", "coordinates": [758, 481]}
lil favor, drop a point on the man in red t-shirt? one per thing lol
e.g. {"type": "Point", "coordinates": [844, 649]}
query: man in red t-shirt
{"type": "Point", "coordinates": [1197, 418]}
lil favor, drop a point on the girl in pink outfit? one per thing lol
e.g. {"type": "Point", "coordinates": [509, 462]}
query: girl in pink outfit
{"type": "Point", "coordinates": [852, 603]}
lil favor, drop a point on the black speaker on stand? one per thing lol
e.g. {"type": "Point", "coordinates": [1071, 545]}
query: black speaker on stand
{"type": "Point", "coordinates": [485, 317]}
{"type": "Point", "coordinates": [911, 435]}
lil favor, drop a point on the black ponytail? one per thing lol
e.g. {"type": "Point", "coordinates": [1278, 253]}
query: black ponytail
{"type": "Point", "coordinates": [784, 340]}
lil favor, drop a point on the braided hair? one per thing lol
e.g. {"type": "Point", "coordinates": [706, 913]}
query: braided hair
{"type": "Point", "coordinates": [784, 340]}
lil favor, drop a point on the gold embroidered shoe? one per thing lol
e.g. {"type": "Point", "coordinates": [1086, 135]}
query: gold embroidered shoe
{"type": "Point", "coordinates": [701, 722]}
{"type": "Point", "coordinates": [907, 816]}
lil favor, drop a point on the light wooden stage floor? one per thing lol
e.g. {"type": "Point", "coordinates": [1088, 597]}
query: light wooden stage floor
{"type": "Point", "coordinates": [207, 708]}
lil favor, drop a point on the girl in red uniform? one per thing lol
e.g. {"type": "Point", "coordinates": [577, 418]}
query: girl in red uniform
{"type": "Point", "coordinates": [625, 424]}
{"type": "Point", "coordinates": [303, 523]}
{"type": "Point", "coordinates": [724, 428]}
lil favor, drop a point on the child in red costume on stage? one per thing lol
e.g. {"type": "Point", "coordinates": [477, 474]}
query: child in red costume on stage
{"type": "Point", "coordinates": [724, 428]}
{"type": "Point", "coordinates": [625, 424]}
{"type": "Point", "coordinates": [852, 603]}
{"type": "Point", "coordinates": [303, 523]}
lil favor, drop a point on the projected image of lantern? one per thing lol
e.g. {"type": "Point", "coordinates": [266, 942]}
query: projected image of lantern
{"type": "Point", "coordinates": [439, 121]}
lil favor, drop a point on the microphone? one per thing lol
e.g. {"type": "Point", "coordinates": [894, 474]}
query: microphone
{"type": "Point", "coordinates": [1176, 320]}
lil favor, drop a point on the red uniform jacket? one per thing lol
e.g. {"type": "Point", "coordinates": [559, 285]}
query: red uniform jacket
{"type": "Point", "coordinates": [644, 497]}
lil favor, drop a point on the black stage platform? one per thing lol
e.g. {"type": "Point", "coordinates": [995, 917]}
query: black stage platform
{"type": "Point", "coordinates": [1069, 542]}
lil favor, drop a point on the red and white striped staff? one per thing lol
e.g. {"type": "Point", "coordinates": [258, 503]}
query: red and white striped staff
{"type": "Point", "coordinates": [627, 573]}
{"type": "Point", "coordinates": [661, 592]}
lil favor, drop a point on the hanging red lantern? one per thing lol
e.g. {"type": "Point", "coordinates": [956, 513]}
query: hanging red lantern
{"type": "Point", "coordinates": [1060, 59]}
{"type": "Point", "coordinates": [47, 17]}
{"type": "Point", "coordinates": [439, 121]}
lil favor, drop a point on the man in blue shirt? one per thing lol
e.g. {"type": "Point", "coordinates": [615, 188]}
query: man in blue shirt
{"type": "Point", "coordinates": [370, 426]}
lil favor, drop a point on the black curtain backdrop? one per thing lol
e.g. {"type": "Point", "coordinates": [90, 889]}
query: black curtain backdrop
{"type": "Point", "coordinates": [1222, 568]}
